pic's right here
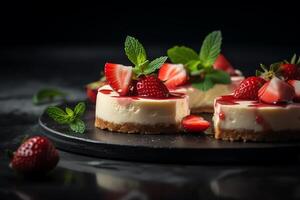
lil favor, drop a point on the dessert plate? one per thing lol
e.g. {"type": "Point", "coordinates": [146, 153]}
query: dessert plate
{"type": "Point", "coordinates": [167, 148]}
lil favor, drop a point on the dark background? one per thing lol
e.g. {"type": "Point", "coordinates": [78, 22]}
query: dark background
{"type": "Point", "coordinates": [39, 38]}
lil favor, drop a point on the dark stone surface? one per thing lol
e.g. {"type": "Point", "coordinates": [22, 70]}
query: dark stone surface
{"type": "Point", "coordinates": [81, 177]}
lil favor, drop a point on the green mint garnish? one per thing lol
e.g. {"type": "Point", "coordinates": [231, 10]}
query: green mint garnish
{"type": "Point", "coordinates": [47, 95]}
{"type": "Point", "coordinates": [137, 55]}
{"type": "Point", "coordinates": [69, 117]}
{"type": "Point", "coordinates": [202, 63]}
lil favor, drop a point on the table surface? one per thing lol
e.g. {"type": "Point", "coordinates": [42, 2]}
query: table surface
{"type": "Point", "coordinates": [25, 70]}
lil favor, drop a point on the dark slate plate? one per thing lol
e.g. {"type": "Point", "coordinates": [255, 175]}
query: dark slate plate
{"type": "Point", "coordinates": [168, 148]}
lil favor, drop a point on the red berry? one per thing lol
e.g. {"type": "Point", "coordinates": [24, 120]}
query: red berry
{"type": "Point", "coordinates": [118, 77]}
{"type": "Point", "coordinates": [132, 88]}
{"type": "Point", "coordinates": [289, 71]}
{"type": "Point", "coordinates": [248, 88]}
{"type": "Point", "coordinates": [36, 155]}
{"type": "Point", "coordinates": [172, 75]}
{"type": "Point", "coordinates": [151, 86]}
{"type": "Point", "coordinates": [193, 123]}
{"type": "Point", "coordinates": [276, 91]}
{"type": "Point", "coordinates": [222, 63]}
{"type": "Point", "coordinates": [296, 85]}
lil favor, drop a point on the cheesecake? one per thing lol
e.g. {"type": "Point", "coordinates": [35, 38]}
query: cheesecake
{"type": "Point", "coordinates": [135, 114]}
{"type": "Point", "coordinates": [135, 100]}
{"type": "Point", "coordinates": [202, 77]}
{"type": "Point", "coordinates": [264, 107]}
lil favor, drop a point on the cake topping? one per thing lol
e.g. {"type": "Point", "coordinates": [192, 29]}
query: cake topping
{"type": "Point", "coordinates": [172, 75]}
{"type": "Point", "coordinates": [204, 69]}
{"type": "Point", "coordinates": [296, 85]}
{"type": "Point", "coordinates": [151, 86]}
{"type": "Point", "coordinates": [118, 77]}
{"type": "Point", "coordinates": [194, 123]}
{"type": "Point", "coordinates": [125, 79]}
{"type": "Point", "coordinates": [276, 91]}
{"type": "Point", "coordinates": [248, 88]}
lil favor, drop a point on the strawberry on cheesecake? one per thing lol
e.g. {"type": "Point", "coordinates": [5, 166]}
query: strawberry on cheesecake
{"type": "Point", "coordinates": [135, 100]}
{"type": "Point", "coordinates": [202, 76]}
{"type": "Point", "coordinates": [265, 107]}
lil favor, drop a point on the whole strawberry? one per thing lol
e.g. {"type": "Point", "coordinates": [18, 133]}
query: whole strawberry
{"type": "Point", "coordinates": [248, 88]}
{"type": "Point", "coordinates": [36, 155]}
{"type": "Point", "coordinates": [289, 71]}
{"type": "Point", "coordinates": [151, 86]}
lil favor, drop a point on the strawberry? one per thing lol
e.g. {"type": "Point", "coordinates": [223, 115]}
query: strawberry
{"type": "Point", "coordinates": [248, 88]}
{"type": "Point", "coordinates": [36, 155]}
{"type": "Point", "coordinates": [193, 123]}
{"type": "Point", "coordinates": [92, 90]}
{"type": "Point", "coordinates": [132, 88]}
{"type": "Point", "coordinates": [276, 91]}
{"type": "Point", "coordinates": [172, 75]}
{"type": "Point", "coordinates": [289, 71]}
{"type": "Point", "coordinates": [151, 86]}
{"type": "Point", "coordinates": [222, 63]}
{"type": "Point", "coordinates": [296, 85]}
{"type": "Point", "coordinates": [118, 77]}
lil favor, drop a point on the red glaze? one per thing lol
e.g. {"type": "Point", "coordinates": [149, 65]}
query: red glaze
{"type": "Point", "coordinates": [222, 115]}
{"type": "Point", "coordinates": [105, 91]}
{"type": "Point", "coordinates": [227, 100]}
{"type": "Point", "coordinates": [171, 96]}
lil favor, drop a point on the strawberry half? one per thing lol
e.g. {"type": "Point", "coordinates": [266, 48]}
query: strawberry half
{"type": "Point", "coordinates": [36, 155]}
{"type": "Point", "coordinates": [276, 91]}
{"type": "Point", "coordinates": [248, 88]}
{"type": "Point", "coordinates": [151, 86]}
{"type": "Point", "coordinates": [194, 123]}
{"type": "Point", "coordinates": [118, 77]}
{"type": "Point", "coordinates": [172, 75]}
{"type": "Point", "coordinates": [296, 85]}
{"type": "Point", "coordinates": [222, 63]}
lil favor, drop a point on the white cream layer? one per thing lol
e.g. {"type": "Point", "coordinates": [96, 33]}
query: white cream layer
{"type": "Point", "coordinates": [119, 110]}
{"type": "Point", "coordinates": [199, 98]}
{"type": "Point", "coordinates": [244, 117]}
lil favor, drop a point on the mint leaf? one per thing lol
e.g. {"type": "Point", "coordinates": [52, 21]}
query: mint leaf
{"type": "Point", "coordinates": [70, 117]}
{"type": "Point", "coordinates": [204, 85]}
{"type": "Point", "coordinates": [139, 69]}
{"type": "Point", "coordinates": [47, 95]}
{"type": "Point", "coordinates": [79, 109]}
{"type": "Point", "coordinates": [218, 76]}
{"type": "Point", "coordinates": [58, 115]}
{"type": "Point", "coordinates": [77, 126]}
{"type": "Point", "coordinates": [193, 65]}
{"type": "Point", "coordinates": [211, 48]}
{"type": "Point", "coordinates": [135, 51]}
{"type": "Point", "coordinates": [69, 111]}
{"type": "Point", "coordinates": [182, 54]}
{"type": "Point", "coordinates": [155, 64]}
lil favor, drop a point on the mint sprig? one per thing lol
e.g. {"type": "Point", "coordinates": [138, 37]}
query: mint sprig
{"type": "Point", "coordinates": [47, 95]}
{"type": "Point", "coordinates": [137, 55]}
{"type": "Point", "coordinates": [201, 65]}
{"type": "Point", "coordinates": [69, 117]}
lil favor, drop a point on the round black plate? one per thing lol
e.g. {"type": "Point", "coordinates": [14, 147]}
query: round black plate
{"type": "Point", "coordinates": [167, 148]}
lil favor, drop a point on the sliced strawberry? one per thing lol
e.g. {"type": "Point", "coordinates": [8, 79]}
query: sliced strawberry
{"type": "Point", "coordinates": [118, 77]}
{"type": "Point", "coordinates": [248, 88]}
{"type": "Point", "coordinates": [36, 155]}
{"type": "Point", "coordinates": [276, 91]}
{"type": "Point", "coordinates": [92, 90]}
{"type": "Point", "coordinates": [194, 123]}
{"type": "Point", "coordinates": [296, 85]}
{"type": "Point", "coordinates": [172, 75]}
{"type": "Point", "coordinates": [151, 86]}
{"type": "Point", "coordinates": [222, 63]}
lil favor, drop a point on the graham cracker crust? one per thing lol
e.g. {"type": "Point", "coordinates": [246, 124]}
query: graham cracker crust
{"type": "Point", "coordinates": [202, 110]}
{"type": "Point", "coordinates": [137, 128]}
{"type": "Point", "coordinates": [263, 136]}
